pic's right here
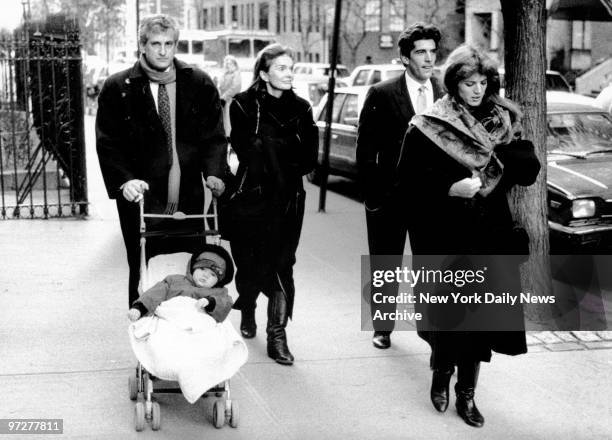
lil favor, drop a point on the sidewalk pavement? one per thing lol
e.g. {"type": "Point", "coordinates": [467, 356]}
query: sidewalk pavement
{"type": "Point", "coordinates": [65, 351]}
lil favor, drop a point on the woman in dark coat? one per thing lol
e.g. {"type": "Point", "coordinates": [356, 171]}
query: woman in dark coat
{"type": "Point", "coordinates": [276, 140]}
{"type": "Point", "coordinates": [462, 157]}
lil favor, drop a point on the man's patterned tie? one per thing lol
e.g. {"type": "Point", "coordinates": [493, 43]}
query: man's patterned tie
{"type": "Point", "coordinates": [163, 102]}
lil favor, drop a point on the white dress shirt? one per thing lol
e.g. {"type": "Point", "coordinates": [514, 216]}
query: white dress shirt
{"type": "Point", "coordinates": [413, 91]}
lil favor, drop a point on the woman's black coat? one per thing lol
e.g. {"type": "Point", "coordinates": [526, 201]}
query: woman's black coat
{"type": "Point", "coordinates": [276, 141]}
{"type": "Point", "coordinates": [443, 225]}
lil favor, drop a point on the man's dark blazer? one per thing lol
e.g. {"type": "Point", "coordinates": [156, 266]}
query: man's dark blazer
{"type": "Point", "coordinates": [382, 124]}
{"type": "Point", "coordinates": [131, 140]}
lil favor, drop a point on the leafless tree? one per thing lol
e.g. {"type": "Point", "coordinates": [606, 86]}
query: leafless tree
{"type": "Point", "coordinates": [353, 27]}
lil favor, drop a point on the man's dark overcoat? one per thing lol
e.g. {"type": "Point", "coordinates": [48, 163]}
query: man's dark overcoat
{"type": "Point", "coordinates": [131, 144]}
{"type": "Point", "coordinates": [131, 140]}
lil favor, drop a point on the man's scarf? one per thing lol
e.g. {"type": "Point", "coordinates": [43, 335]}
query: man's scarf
{"type": "Point", "coordinates": [166, 77]}
{"type": "Point", "coordinates": [451, 126]}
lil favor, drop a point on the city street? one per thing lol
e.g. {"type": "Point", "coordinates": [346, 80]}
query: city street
{"type": "Point", "coordinates": [66, 355]}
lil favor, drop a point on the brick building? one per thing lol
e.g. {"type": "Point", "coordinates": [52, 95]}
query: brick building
{"type": "Point", "coordinates": [369, 27]}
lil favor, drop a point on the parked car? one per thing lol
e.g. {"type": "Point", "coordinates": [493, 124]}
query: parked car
{"type": "Point", "coordinates": [317, 71]}
{"type": "Point", "coordinates": [554, 81]}
{"type": "Point", "coordinates": [369, 74]}
{"type": "Point", "coordinates": [310, 80]}
{"type": "Point", "coordinates": [579, 155]}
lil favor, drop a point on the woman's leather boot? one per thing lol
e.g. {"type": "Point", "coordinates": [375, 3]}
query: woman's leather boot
{"type": "Point", "coordinates": [439, 388]}
{"type": "Point", "coordinates": [277, 321]}
{"type": "Point", "coordinates": [467, 376]}
{"type": "Point", "coordinates": [248, 326]}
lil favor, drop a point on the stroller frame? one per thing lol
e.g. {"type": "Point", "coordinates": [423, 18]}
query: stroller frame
{"type": "Point", "coordinates": [141, 384]}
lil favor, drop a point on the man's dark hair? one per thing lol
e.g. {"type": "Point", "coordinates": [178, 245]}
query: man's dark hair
{"type": "Point", "coordinates": [415, 32]}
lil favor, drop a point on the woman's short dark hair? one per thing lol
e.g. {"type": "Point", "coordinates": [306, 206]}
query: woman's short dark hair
{"type": "Point", "coordinates": [267, 55]}
{"type": "Point", "coordinates": [465, 61]}
{"type": "Point", "coordinates": [155, 24]}
{"type": "Point", "coordinates": [416, 32]}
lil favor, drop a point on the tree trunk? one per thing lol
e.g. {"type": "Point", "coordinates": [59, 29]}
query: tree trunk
{"type": "Point", "coordinates": [525, 61]}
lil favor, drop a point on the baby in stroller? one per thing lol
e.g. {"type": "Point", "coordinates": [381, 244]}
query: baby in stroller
{"type": "Point", "coordinates": [209, 270]}
{"type": "Point", "coordinates": [179, 332]}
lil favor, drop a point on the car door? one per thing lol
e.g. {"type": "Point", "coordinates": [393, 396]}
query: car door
{"type": "Point", "coordinates": [346, 137]}
{"type": "Point", "coordinates": [335, 136]}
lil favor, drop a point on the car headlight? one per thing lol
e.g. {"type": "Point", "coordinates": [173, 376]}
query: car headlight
{"type": "Point", "coordinates": [583, 208]}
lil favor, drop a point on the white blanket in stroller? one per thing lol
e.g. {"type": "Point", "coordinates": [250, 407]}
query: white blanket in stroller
{"type": "Point", "coordinates": [180, 343]}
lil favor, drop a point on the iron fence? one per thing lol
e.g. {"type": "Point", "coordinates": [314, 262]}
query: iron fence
{"type": "Point", "coordinates": [42, 141]}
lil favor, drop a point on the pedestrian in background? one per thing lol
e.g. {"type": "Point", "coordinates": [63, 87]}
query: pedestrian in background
{"type": "Point", "coordinates": [230, 85]}
{"type": "Point", "coordinates": [159, 127]}
{"type": "Point", "coordinates": [462, 157]}
{"type": "Point", "coordinates": [276, 140]}
{"type": "Point", "coordinates": [388, 107]}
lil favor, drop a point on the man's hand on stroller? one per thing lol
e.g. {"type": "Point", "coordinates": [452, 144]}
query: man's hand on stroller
{"type": "Point", "coordinates": [133, 314]}
{"type": "Point", "coordinates": [201, 304]}
{"type": "Point", "coordinates": [134, 189]}
{"type": "Point", "coordinates": [215, 185]}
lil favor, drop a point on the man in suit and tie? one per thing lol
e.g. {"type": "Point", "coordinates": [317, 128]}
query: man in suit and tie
{"type": "Point", "coordinates": [388, 108]}
{"type": "Point", "coordinates": [159, 128]}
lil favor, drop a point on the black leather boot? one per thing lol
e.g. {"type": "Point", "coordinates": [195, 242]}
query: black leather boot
{"type": "Point", "coordinates": [439, 388]}
{"type": "Point", "coordinates": [277, 321]}
{"type": "Point", "coordinates": [248, 327]}
{"type": "Point", "coordinates": [467, 376]}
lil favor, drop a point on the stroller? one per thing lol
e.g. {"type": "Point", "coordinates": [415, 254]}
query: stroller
{"type": "Point", "coordinates": [142, 382]}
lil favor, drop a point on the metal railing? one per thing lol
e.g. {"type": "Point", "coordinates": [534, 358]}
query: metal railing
{"type": "Point", "coordinates": [42, 141]}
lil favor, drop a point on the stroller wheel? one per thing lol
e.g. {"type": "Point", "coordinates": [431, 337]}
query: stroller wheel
{"type": "Point", "coordinates": [155, 416]}
{"type": "Point", "coordinates": [139, 416]}
{"type": "Point", "coordinates": [218, 414]}
{"type": "Point", "coordinates": [234, 414]}
{"type": "Point", "coordinates": [133, 387]}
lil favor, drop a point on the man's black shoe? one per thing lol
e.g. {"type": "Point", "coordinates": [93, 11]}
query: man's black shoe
{"type": "Point", "coordinates": [381, 340]}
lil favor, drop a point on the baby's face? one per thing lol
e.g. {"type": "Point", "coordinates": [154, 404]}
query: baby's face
{"type": "Point", "coordinates": [204, 277]}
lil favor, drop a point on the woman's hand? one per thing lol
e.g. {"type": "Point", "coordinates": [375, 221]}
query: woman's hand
{"type": "Point", "coordinates": [465, 188]}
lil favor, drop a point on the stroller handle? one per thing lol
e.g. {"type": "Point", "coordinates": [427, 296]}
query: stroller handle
{"type": "Point", "coordinates": [179, 215]}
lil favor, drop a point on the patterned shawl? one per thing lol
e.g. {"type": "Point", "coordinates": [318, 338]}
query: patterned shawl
{"type": "Point", "coordinates": [471, 138]}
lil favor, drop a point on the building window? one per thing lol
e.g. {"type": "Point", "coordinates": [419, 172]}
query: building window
{"type": "Point", "coordinates": [483, 27]}
{"type": "Point", "coordinates": [372, 16]}
{"type": "Point", "coordinates": [397, 12]}
{"type": "Point", "coordinates": [299, 17]}
{"type": "Point", "coordinates": [317, 57]}
{"type": "Point", "coordinates": [241, 15]}
{"type": "Point", "coordinates": [264, 10]}
{"type": "Point", "coordinates": [205, 23]}
{"type": "Point", "coordinates": [292, 15]}
{"type": "Point", "coordinates": [234, 14]}
{"type": "Point", "coordinates": [581, 35]}
{"type": "Point", "coordinates": [278, 15]}
{"type": "Point", "coordinates": [222, 15]}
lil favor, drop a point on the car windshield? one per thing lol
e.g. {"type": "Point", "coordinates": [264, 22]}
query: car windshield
{"type": "Point", "coordinates": [556, 82]}
{"type": "Point", "coordinates": [578, 134]}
